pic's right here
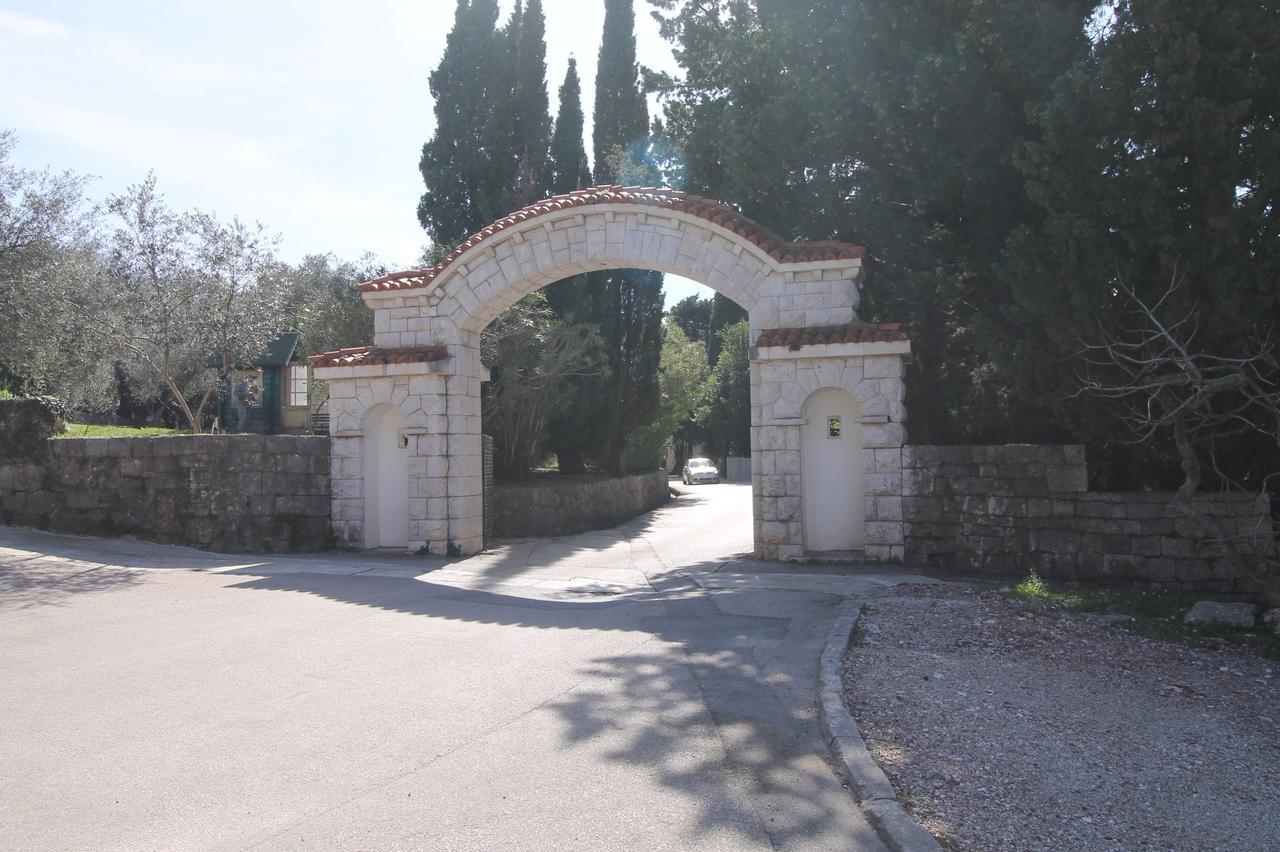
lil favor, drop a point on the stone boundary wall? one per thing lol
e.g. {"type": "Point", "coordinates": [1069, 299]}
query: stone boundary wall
{"type": "Point", "coordinates": [568, 505]}
{"type": "Point", "coordinates": [228, 493]}
{"type": "Point", "coordinates": [1007, 510]}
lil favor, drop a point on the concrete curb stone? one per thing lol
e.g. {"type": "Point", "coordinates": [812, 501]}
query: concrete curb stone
{"type": "Point", "coordinates": [866, 779]}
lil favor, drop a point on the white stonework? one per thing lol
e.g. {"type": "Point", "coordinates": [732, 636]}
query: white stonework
{"type": "Point", "coordinates": [781, 381]}
{"type": "Point", "coordinates": [441, 400]}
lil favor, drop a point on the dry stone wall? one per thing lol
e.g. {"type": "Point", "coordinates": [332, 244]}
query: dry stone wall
{"type": "Point", "coordinates": [568, 505]}
{"type": "Point", "coordinates": [233, 493]}
{"type": "Point", "coordinates": [1007, 510]}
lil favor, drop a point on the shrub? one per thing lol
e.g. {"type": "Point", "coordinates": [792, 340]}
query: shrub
{"type": "Point", "coordinates": [26, 422]}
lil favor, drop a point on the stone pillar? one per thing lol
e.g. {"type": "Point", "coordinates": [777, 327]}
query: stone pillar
{"type": "Point", "coordinates": [420, 391]}
{"type": "Point", "coordinates": [782, 379]}
{"type": "Point", "coordinates": [463, 451]}
{"type": "Point", "coordinates": [880, 394]}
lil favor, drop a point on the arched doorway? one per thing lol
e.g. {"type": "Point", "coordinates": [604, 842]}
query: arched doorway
{"type": "Point", "coordinates": [832, 477]}
{"type": "Point", "coordinates": [386, 478]}
{"type": "Point", "coordinates": [801, 301]}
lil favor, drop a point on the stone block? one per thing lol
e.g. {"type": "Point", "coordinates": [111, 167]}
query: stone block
{"type": "Point", "coordinates": [773, 437]}
{"type": "Point", "coordinates": [788, 508]}
{"type": "Point", "coordinates": [465, 507]}
{"type": "Point", "coordinates": [429, 487]}
{"type": "Point", "coordinates": [883, 532]}
{"type": "Point", "coordinates": [1055, 541]}
{"type": "Point", "coordinates": [888, 508]}
{"type": "Point", "coordinates": [1062, 479]}
{"type": "Point", "coordinates": [922, 509]}
{"type": "Point", "coordinates": [1121, 567]}
{"type": "Point", "coordinates": [884, 484]}
{"type": "Point", "coordinates": [773, 486]}
{"type": "Point", "coordinates": [774, 532]}
{"type": "Point", "coordinates": [1240, 615]}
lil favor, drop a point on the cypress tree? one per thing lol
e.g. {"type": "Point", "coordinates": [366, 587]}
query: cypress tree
{"type": "Point", "coordinates": [569, 172]}
{"type": "Point", "coordinates": [574, 432]}
{"type": "Point", "coordinates": [632, 321]}
{"type": "Point", "coordinates": [621, 113]}
{"type": "Point", "coordinates": [569, 168]}
{"type": "Point", "coordinates": [468, 164]}
{"type": "Point", "coordinates": [531, 122]}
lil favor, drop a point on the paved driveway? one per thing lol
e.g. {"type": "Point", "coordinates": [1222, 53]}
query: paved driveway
{"type": "Point", "coordinates": [648, 687]}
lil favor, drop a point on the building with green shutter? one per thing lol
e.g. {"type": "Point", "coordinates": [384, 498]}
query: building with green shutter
{"type": "Point", "coordinates": [278, 399]}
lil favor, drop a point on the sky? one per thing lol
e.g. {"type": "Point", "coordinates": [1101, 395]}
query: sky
{"type": "Point", "coordinates": [306, 115]}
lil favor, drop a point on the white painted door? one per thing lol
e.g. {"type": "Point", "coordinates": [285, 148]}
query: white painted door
{"type": "Point", "coordinates": [831, 472]}
{"type": "Point", "coordinates": [386, 479]}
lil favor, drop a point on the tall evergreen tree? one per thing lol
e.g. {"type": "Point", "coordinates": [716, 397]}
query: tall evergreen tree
{"type": "Point", "coordinates": [531, 122]}
{"type": "Point", "coordinates": [574, 434]}
{"type": "Point", "coordinates": [892, 123]}
{"type": "Point", "coordinates": [469, 164]}
{"type": "Point", "coordinates": [569, 167]}
{"type": "Point", "coordinates": [1157, 164]}
{"type": "Point", "coordinates": [569, 172]}
{"type": "Point", "coordinates": [724, 313]}
{"type": "Point", "coordinates": [621, 112]}
{"type": "Point", "coordinates": [631, 323]}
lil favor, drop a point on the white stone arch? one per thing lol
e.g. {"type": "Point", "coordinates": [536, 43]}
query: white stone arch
{"type": "Point", "coordinates": [780, 284]}
{"type": "Point", "coordinates": [427, 325]}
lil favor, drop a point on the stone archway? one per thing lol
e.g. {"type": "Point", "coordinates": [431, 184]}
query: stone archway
{"type": "Point", "coordinates": [801, 300]}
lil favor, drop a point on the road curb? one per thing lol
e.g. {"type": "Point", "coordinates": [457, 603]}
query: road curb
{"type": "Point", "coordinates": [867, 781]}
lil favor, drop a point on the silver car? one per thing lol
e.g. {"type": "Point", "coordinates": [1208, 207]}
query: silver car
{"type": "Point", "coordinates": [699, 470]}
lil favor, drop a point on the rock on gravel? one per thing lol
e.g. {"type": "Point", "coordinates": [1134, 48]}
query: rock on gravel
{"type": "Point", "coordinates": [1008, 725]}
{"type": "Point", "coordinates": [1231, 614]}
{"type": "Point", "coordinates": [1271, 620]}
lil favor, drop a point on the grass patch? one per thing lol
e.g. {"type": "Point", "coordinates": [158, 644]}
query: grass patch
{"type": "Point", "coordinates": [1150, 614]}
{"type": "Point", "coordinates": [89, 430]}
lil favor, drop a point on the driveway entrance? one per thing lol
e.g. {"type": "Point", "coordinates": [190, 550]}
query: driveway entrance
{"type": "Point", "coordinates": [801, 301]}
{"type": "Point", "coordinates": [638, 688]}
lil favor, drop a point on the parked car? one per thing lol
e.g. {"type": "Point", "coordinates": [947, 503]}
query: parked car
{"type": "Point", "coordinates": [699, 470]}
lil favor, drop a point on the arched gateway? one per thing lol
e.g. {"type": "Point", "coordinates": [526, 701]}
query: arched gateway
{"type": "Point", "coordinates": [801, 299]}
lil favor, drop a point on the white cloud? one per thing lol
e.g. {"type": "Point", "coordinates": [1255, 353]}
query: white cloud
{"type": "Point", "coordinates": [27, 26]}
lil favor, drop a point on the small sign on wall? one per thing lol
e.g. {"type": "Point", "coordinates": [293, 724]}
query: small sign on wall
{"type": "Point", "coordinates": [833, 426]}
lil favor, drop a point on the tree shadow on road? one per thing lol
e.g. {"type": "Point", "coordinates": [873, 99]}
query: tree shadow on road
{"type": "Point", "coordinates": [722, 713]}
{"type": "Point", "coordinates": [33, 580]}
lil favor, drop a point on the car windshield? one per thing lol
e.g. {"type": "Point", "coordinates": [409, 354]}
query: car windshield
{"type": "Point", "coordinates": [699, 463]}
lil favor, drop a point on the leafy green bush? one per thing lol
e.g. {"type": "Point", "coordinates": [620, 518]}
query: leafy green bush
{"type": "Point", "coordinates": [27, 422]}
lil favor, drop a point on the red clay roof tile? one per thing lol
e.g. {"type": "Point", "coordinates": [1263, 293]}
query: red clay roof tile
{"type": "Point", "coordinates": [705, 208]}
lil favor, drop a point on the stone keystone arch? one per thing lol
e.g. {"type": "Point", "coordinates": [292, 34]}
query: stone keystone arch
{"type": "Point", "coordinates": [801, 300]}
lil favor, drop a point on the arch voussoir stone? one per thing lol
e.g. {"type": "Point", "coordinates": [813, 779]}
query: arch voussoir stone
{"type": "Point", "coordinates": [801, 300]}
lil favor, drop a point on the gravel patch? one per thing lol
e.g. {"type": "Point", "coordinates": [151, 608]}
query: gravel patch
{"type": "Point", "coordinates": [1004, 724]}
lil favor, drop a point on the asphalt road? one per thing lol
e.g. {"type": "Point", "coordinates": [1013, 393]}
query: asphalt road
{"type": "Point", "coordinates": [647, 687]}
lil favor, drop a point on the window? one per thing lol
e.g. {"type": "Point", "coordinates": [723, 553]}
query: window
{"type": "Point", "coordinates": [298, 386]}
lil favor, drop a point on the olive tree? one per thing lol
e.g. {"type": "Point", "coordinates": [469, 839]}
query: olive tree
{"type": "Point", "coordinates": [193, 297]}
